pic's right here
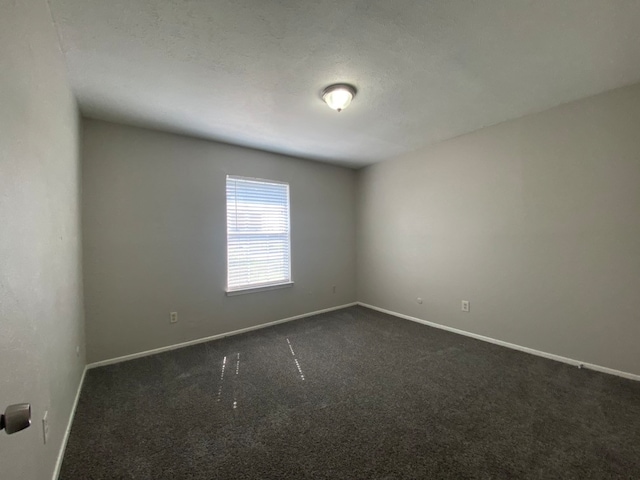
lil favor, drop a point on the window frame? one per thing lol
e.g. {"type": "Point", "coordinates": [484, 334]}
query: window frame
{"type": "Point", "coordinates": [258, 287]}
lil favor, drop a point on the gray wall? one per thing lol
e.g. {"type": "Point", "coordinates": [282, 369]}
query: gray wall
{"type": "Point", "coordinates": [155, 238]}
{"type": "Point", "coordinates": [41, 315]}
{"type": "Point", "coordinates": [535, 221]}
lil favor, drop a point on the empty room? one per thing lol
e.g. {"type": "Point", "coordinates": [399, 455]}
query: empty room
{"type": "Point", "coordinates": [319, 240]}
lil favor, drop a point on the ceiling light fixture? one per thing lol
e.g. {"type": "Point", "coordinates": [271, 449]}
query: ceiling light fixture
{"type": "Point", "coordinates": [339, 96]}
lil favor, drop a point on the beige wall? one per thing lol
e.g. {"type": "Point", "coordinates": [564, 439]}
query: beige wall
{"type": "Point", "coordinates": [535, 221]}
{"type": "Point", "coordinates": [41, 314]}
{"type": "Point", "coordinates": [155, 238]}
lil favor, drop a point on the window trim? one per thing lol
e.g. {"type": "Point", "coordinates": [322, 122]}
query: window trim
{"type": "Point", "coordinates": [255, 288]}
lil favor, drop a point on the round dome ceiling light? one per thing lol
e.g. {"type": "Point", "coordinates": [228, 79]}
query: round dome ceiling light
{"type": "Point", "coordinates": [338, 96]}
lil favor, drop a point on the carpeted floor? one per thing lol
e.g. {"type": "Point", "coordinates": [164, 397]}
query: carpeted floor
{"type": "Point", "coordinates": [353, 394]}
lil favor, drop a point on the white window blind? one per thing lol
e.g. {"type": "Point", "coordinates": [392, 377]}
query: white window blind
{"type": "Point", "coordinates": [258, 240]}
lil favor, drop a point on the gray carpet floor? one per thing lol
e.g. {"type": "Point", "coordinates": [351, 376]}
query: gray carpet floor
{"type": "Point", "coordinates": [352, 394]}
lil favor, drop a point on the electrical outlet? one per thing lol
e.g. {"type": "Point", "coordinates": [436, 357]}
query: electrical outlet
{"type": "Point", "coordinates": [45, 427]}
{"type": "Point", "coordinates": [419, 300]}
{"type": "Point", "coordinates": [174, 317]}
{"type": "Point", "coordinates": [334, 289]}
{"type": "Point", "coordinates": [465, 305]}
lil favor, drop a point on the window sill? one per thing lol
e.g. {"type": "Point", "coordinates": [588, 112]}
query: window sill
{"type": "Point", "coordinates": [264, 288]}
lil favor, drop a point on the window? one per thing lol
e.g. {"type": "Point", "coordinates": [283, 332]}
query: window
{"type": "Point", "coordinates": [258, 240]}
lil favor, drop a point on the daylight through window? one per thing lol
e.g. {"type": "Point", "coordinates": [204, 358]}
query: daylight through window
{"type": "Point", "coordinates": [258, 240]}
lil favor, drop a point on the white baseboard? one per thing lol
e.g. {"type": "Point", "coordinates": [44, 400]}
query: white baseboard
{"type": "Point", "coordinates": [146, 353]}
{"type": "Point", "coordinates": [65, 439]}
{"type": "Point", "coordinates": [558, 358]}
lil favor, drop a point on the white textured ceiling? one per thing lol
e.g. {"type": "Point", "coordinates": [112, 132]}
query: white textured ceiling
{"type": "Point", "coordinates": [250, 72]}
